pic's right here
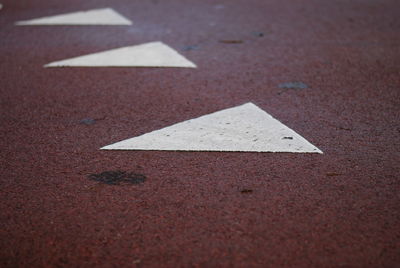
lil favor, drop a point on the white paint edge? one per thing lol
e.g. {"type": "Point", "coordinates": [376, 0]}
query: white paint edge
{"type": "Point", "coordinates": [154, 54]}
{"type": "Point", "coordinates": [245, 128]}
{"type": "Point", "coordinates": [103, 16]}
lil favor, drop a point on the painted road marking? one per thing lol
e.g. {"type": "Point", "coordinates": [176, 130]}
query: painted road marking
{"type": "Point", "coordinates": [104, 16]}
{"type": "Point", "coordinates": [154, 54]}
{"type": "Point", "coordinates": [245, 128]}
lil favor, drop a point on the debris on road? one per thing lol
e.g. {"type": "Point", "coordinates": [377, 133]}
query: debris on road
{"type": "Point", "coordinates": [90, 121]}
{"type": "Point", "coordinates": [246, 191]}
{"type": "Point", "coordinates": [87, 121]}
{"type": "Point", "coordinates": [189, 48]}
{"type": "Point", "coordinates": [118, 177]}
{"type": "Point", "coordinates": [332, 174]}
{"type": "Point", "coordinates": [292, 85]}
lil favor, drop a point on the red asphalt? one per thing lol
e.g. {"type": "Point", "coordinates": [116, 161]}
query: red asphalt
{"type": "Point", "coordinates": [202, 209]}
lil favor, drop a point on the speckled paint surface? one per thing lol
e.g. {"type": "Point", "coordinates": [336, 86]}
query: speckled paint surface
{"type": "Point", "coordinates": [65, 203]}
{"type": "Point", "coordinates": [103, 16]}
{"type": "Point", "coordinates": [153, 54]}
{"type": "Point", "coordinates": [244, 128]}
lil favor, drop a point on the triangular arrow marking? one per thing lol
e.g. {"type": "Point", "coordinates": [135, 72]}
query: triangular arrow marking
{"type": "Point", "coordinates": [244, 128]}
{"type": "Point", "coordinates": [155, 54]}
{"type": "Point", "coordinates": [104, 16]}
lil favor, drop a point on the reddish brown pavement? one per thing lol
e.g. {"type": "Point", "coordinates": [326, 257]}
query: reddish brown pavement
{"type": "Point", "coordinates": [202, 209]}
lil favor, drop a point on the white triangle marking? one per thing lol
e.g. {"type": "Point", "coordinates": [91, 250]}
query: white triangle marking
{"type": "Point", "coordinates": [245, 128]}
{"type": "Point", "coordinates": [104, 16]}
{"type": "Point", "coordinates": [154, 54]}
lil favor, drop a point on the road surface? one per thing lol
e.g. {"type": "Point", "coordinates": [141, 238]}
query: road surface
{"type": "Point", "coordinates": [329, 70]}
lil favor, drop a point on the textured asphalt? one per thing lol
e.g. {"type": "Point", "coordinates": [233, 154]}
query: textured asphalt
{"type": "Point", "coordinates": [202, 209]}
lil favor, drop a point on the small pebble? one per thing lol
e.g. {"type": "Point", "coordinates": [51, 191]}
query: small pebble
{"type": "Point", "coordinates": [189, 48]}
{"type": "Point", "coordinates": [293, 85]}
{"type": "Point", "coordinates": [87, 121]}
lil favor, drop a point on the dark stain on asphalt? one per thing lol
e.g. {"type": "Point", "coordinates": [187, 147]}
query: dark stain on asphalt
{"type": "Point", "coordinates": [118, 177]}
{"type": "Point", "coordinates": [258, 34]}
{"type": "Point", "coordinates": [293, 85]}
{"type": "Point", "coordinates": [231, 41]}
{"type": "Point", "coordinates": [287, 138]}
